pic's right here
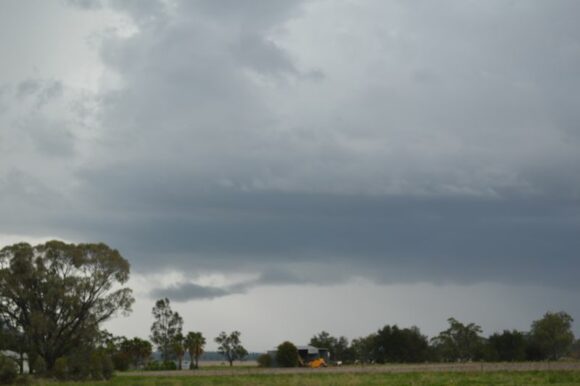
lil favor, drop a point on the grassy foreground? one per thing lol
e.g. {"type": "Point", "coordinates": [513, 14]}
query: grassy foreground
{"type": "Point", "coordinates": [562, 378]}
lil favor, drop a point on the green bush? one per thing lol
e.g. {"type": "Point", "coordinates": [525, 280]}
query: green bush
{"type": "Point", "coordinates": [157, 366]}
{"type": "Point", "coordinates": [79, 365]}
{"type": "Point", "coordinates": [8, 370]}
{"type": "Point", "coordinates": [108, 367]}
{"type": "Point", "coordinates": [96, 366]}
{"type": "Point", "coordinates": [152, 366]}
{"type": "Point", "coordinates": [101, 366]}
{"type": "Point", "coordinates": [287, 355]}
{"type": "Point", "coordinates": [60, 369]}
{"type": "Point", "coordinates": [169, 365]}
{"type": "Point", "coordinates": [121, 361]}
{"type": "Point", "coordinates": [264, 360]}
{"type": "Point", "coordinates": [39, 366]}
{"type": "Point", "coordinates": [23, 380]}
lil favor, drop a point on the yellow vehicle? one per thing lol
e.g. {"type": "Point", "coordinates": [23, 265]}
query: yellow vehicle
{"type": "Point", "coordinates": [317, 363]}
{"type": "Point", "coordinates": [313, 357]}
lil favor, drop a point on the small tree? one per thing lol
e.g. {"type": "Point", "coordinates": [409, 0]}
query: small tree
{"type": "Point", "coordinates": [136, 350]}
{"type": "Point", "coordinates": [8, 370]}
{"type": "Point", "coordinates": [39, 367]}
{"type": "Point", "coordinates": [459, 342]}
{"type": "Point", "coordinates": [553, 334]}
{"type": "Point", "coordinates": [509, 346]}
{"type": "Point", "coordinates": [264, 360]}
{"type": "Point", "coordinates": [194, 344]}
{"type": "Point", "coordinates": [178, 349]}
{"type": "Point", "coordinates": [363, 348]}
{"type": "Point", "coordinates": [287, 355]}
{"type": "Point", "coordinates": [406, 345]}
{"type": "Point", "coordinates": [167, 325]}
{"type": "Point", "coordinates": [230, 346]}
{"type": "Point", "coordinates": [324, 340]}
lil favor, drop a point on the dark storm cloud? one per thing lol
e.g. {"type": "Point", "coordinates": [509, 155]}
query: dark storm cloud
{"type": "Point", "coordinates": [399, 141]}
{"type": "Point", "coordinates": [317, 238]}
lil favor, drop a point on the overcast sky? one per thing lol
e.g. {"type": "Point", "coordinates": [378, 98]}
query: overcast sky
{"type": "Point", "coordinates": [337, 164]}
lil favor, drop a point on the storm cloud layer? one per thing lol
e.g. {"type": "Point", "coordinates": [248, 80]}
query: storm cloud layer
{"type": "Point", "coordinates": [310, 142]}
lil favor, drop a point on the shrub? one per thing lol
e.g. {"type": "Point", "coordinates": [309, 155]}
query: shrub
{"type": "Point", "coordinates": [60, 369]}
{"type": "Point", "coordinates": [79, 365]}
{"type": "Point", "coordinates": [287, 355]}
{"type": "Point", "coordinates": [39, 366]}
{"type": "Point", "coordinates": [169, 365]}
{"type": "Point", "coordinates": [23, 380]}
{"type": "Point", "coordinates": [8, 370]}
{"type": "Point", "coordinates": [121, 361]}
{"type": "Point", "coordinates": [152, 366]}
{"type": "Point", "coordinates": [101, 366]}
{"type": "Point", "coordinates": [96, 365]}
{"type": "Point", "coordinates": [157, 365]}
{"type": "Point", "coordinates": [108, 367]}
{"type": "Point", "coordinates": [264, 360]}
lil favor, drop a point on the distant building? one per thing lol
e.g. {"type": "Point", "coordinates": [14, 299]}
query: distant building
{"type": "Point", "coordinates": [306, 354]}
{"type": "Point", "coordinates": [310, 353]}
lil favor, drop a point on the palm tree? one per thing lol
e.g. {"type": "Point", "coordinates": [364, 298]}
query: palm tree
{"type": "Point", "coordinates": [178, 349]}
{"type": "Point", "coordinates": [194, 344]}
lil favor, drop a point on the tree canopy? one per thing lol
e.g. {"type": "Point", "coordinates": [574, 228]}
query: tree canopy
{"type": "Point", "coordinates": [509, 346]}
{"type": "Point", "coordinates": [194, 344]}
{"type": "Point", "coordinates": [553, 334]}
{"type": "Point", "coordinates": [166, 327]}
{"type": "Point", "coordinates": [393, 344]}
{"type": "Point", "coordinates": [287, 355]}
{"type": "Point", "coordinates": [230, 346]}
{"type": "Point", "coordinates": [337, 347]}
{"type": "Point", "coordinates": [459, 342]}
{"type": "Point", "coordinates": [57, 294]}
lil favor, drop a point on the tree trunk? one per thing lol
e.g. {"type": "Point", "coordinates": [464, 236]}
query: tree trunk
{"type": "Point", "coordinates": [21, 363]}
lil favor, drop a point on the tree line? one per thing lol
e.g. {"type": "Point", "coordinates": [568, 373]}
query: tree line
{"type": "Point", "coordinates": [55, 296]}
{"type": "Point", "coordinates": [549, 338]}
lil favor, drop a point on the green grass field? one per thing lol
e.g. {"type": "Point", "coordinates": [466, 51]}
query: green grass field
{"type": "Point", "coordinates": [562, 378]}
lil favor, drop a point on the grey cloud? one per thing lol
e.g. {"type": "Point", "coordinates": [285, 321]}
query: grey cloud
{"type": "Point", "coordinates": [190, 291]}
{"type": "Point", "coordinates": [43, 90]}
{"type": "Point", "coordinates": [146, 13]}
{"type": "Point", "coordinates": [251, 15]}
{"type": "Point", "coordinates": [279, 276]}
{"type": "Point", "coordinates": [28, 87]}
{"type": "Point", "coordinates": [264, 56]}
{"type": "Point", "coordinates": [52, 90]}
{"type": "Point", "coordinates": [415, 152]}
{"type": "Point", "coordinates": [50, 138]}
{"type": "Point", "coordinates": [86, 4]}
{"type": "Point", "coordinates": [299, 238]}
{"type": "Point", "coordinates": [187, 291]}
{"type": "Point", "coordinates": [4, 89]}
